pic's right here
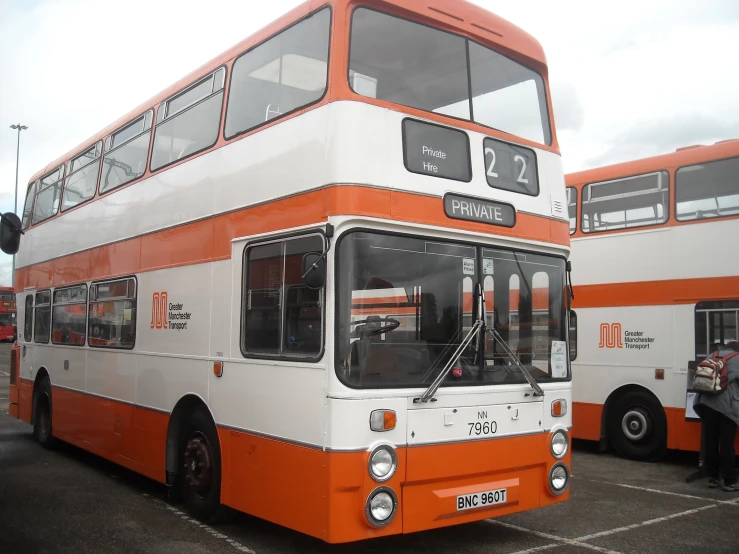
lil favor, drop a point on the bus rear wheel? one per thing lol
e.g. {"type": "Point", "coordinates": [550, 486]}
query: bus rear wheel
{"type": "Point", "coordinates": [201, 467]}
{"type": "Point", "coordinates": [637, 426]}
{"type": "Point", "coordinates": [42, 414]}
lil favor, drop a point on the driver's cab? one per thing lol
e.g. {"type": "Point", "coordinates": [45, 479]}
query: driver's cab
{"type": "Point", "coordinates": [386, 342]}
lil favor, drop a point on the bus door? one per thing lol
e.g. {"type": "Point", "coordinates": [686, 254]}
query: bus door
{"type": "Point", "coordinates": [21, 395]}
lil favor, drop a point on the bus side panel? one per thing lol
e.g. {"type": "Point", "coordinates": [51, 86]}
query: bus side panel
{"type": "Point", "coordinates": [281, 482]}
{"type": "Point", "coordinates": [146, 441]}
{"type": "Point", "coordinates": [14, 379]}
{"type": "Point", "coordinates": [25, 400]}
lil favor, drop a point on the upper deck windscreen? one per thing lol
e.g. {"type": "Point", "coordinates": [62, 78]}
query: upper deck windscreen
{"type": "Point", "coordinates": [415, 65]}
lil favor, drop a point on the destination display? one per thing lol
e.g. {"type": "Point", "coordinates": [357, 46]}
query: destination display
{"type": "Point", "coordinates": [437, 151]}
{"type": "Point", "coordinates": [511, 167]}
{"type": "Point", "coordinates": [481, 211]}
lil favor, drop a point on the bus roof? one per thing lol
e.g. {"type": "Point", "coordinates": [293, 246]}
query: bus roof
{"type": "Point", "coordinates": [688, 155]}
{"type": "Point", "coordinates": [459, 16]}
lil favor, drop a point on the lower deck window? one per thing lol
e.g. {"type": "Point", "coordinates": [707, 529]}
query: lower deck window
{"type": "Point", "coordinates": [716, 323]}
{"type": "Point", "coordinates": [112, 319]}
{"type": "Point", "coordinates": [282, 317]}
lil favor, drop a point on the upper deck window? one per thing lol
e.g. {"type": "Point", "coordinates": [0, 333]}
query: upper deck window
{"type": "Point", "coordinates": [707, 190]}
{"type": "Point", "coordinates": [126, 152]}
{"type": "Point", "coordinates": [623, 203]}
{"type": "Point", "coordinates": [82, 177]}
{"type": "Point", "coordinates": [28, 206]}
{"type": "Point", "coordinates": [572, 208]}
{"type": "Point", "coordinates": [284, 73]}
{"type": "Point", "coordinates": [188, 122]}
{"type": "Point", "coordinates": [47, 197]}
{"type": "Point", "coordinates": [418, 66]}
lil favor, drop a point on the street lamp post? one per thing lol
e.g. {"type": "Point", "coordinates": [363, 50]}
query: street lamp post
{"type": "Point", "coordinates": [19, 128]}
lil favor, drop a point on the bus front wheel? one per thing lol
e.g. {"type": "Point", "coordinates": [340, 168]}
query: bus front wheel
{"type": "Point", "coordinates": [201, 467]}
{"type": "Point", "coordinates": [637, 426]}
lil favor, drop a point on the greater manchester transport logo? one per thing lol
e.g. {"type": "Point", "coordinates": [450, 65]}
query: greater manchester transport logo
{"type": "Point", "coordinates": [612, 335]}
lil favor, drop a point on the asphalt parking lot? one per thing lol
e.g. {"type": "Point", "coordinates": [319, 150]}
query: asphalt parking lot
{"type": "Point", "coordinates": [71, 501]}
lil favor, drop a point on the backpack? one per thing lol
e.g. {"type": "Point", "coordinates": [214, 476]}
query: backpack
{"type": "Point", "coordinates": [710, 375]}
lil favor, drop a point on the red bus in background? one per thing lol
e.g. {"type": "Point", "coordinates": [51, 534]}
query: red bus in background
{"type": "Point", "coordinates": [7, 314]}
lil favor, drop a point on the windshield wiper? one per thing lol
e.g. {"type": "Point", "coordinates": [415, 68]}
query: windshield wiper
{"type": "Point", "coordinates": [428, 395]}
{"type": "Point", "coordinates": [534, 385]}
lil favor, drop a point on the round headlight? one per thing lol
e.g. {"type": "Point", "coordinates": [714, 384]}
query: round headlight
{"type": "Point", "coordinates": [382, 463]}
{"type": "Point", "coordinates": [558, 478]}
{"type": "Point", "coordinates": [381, 506]}
{"type": "Point", "coordinates": [559, 444]}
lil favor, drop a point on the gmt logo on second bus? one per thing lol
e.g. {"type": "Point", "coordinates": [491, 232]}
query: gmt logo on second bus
{"type": "Point", "coordinates": [168, 315]}
{"type": "Point", "coordinates": [612, 335]}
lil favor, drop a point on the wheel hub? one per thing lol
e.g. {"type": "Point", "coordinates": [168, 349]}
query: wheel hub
{"type": "Point", "coordinates": [198, 464]}
{"type": "Point", "coordinates": [635, 424]}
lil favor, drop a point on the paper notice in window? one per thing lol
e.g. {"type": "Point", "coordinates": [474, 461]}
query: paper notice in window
{"type": "Point", "coordinates": [689, 407]}
{"type": "Point", "coordinates": [558, 359]}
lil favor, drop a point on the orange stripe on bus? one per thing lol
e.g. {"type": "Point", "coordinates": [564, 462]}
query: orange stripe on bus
{"type": "Point", "coordinates": [210, 239]}
{"type": "Point", "coordinates": [653, 293]}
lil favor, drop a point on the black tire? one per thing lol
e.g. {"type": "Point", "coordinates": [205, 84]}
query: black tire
{"type": "Point", "coordinates": [637, 426]}
{"type": "Point", "coordinates": [200, 458]}
{"type": "Point", "coordinates": [42, 414]}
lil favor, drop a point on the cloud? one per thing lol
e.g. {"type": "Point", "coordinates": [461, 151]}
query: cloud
{"type": "Point", "coordinates": [569, 113]}
{"type": "Point", "coordinates": [660, 136]}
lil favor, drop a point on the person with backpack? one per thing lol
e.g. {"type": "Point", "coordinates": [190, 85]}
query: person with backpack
{"type": "Point", "coordinates": [717, 404]}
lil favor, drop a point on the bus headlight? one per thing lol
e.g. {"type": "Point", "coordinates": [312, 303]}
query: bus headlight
{"type": "Point", "coordinates": [559, 444]}
{"type": "Point", "coordinates": [559, 478]}
{"type": "Point", "coordinates": [382, 463]}
{"type": "Point", "coordinates": [381, 506]}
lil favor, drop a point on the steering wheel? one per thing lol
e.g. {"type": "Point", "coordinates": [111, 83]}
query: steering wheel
{"type": "Point", "coordinates": [390, 325]}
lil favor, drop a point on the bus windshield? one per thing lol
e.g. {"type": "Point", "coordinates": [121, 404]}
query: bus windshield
{"type": "Point", "coordinates": [6, 320]}
{"type": "Point", "coordinates": [405, 304]}
{"type": "Point", "coordinates": [415, 65]}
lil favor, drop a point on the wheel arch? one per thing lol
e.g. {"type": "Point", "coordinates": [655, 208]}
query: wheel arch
{"type": "Point", "coordinates": [185, 406]}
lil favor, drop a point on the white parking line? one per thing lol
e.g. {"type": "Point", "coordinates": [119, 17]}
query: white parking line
{"type": "Point", "coordinates": [236, 544]}
{"type": "Point", "coordinates": [5, 373]}
{"type": "Point", "coordinates": [563, 540]}
{"type": "Point", "coordinates": [581, 541]}
{"type": "Point", "coordinates": [682, 495]}
{"type": "Point", "coordinates": [645, 523]}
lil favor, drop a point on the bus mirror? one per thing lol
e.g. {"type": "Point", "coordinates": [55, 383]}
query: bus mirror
{"type": "Point", "coordinates": [314, 270]}
{"type": "Point", "coordinates": [10, 233]}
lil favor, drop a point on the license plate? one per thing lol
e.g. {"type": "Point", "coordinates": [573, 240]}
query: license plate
{"type": "Point", "coordinates": [481, 499]}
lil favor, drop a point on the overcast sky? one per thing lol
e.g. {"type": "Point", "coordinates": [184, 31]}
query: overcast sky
{"type": "Point", "coordinates": [629, 79]}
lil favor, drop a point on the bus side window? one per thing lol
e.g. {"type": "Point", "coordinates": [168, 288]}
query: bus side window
{"type": "Point", "coordinates": [28, 319]}
{"type": "Point", "coordinates": [112, 319]}
{"type": "Point", "coordinates": [42, 316]}
{"type": "Point", "coordinates": [188, 123]}
{"type": "Point", "coordinates": [281, 315]}
{"type": "Point", "coordinates": [573, 335]}
{"type": "Point", "coordinates": [572, 208]}
{"type": "Point", "coordinates": [280, 75]}
{"type": "Point", "coordinates": [69, 315]}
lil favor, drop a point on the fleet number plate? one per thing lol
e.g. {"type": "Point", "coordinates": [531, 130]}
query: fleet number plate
{"type": "Point", "coordinates": [481, 499]}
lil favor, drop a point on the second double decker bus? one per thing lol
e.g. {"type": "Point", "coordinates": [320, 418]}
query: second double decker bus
{"type": "Point", "coordinates": [656, 289]}
{"type": "Point", "coordinates": [7, 314]}
{"type": "Point", "coordinates": [320, 280]}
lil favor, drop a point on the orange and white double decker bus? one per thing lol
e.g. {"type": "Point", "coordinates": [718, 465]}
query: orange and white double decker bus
{"type": "Point", "coordinates": [199, 282]}
{"type": "Point", "coordinates": [656, 289]}
{"type": "Point", "coordinates": [7, 314]}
